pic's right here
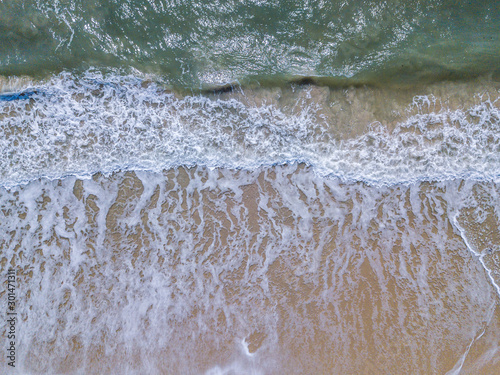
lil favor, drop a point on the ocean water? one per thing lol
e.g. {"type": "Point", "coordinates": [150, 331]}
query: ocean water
{"type": "Point", "coordinates": [250, 187]}
{"type": "Point", "coordinates": [206, 43]}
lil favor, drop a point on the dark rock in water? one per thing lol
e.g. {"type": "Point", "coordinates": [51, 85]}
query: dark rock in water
{"type": "Point", "coordinates": [303, 81]}
{"type": "Point", "coordinates": [222, 90]}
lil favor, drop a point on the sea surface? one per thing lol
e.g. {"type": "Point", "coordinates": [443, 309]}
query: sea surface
{"type": "Point", "coordinates": [250, 187]}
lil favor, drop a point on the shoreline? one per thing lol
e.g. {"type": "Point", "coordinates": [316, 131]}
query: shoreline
{"type": "Point", "coordinates": [12, 83]}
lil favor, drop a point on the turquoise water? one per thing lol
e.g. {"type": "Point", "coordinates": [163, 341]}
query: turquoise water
{"type": "Point", "coordinates": [203, 44]}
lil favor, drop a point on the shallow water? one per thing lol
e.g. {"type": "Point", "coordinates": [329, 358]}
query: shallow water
{"type": "Point", "coordinates": [301, 229]}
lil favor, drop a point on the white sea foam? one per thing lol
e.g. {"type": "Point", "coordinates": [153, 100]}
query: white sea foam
{"type": "Point", "coordinates": [102, 124]}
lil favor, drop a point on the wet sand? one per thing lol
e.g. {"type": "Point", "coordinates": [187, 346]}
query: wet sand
{"type": "Point", "coordinates": [271, 271]}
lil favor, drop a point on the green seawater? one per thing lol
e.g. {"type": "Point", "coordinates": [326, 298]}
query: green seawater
{"type": "Point", "coordinates": [206, 43]}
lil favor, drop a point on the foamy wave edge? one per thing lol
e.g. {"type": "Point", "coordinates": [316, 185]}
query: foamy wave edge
{"type": "Point", "coordinates": [80, 126]}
